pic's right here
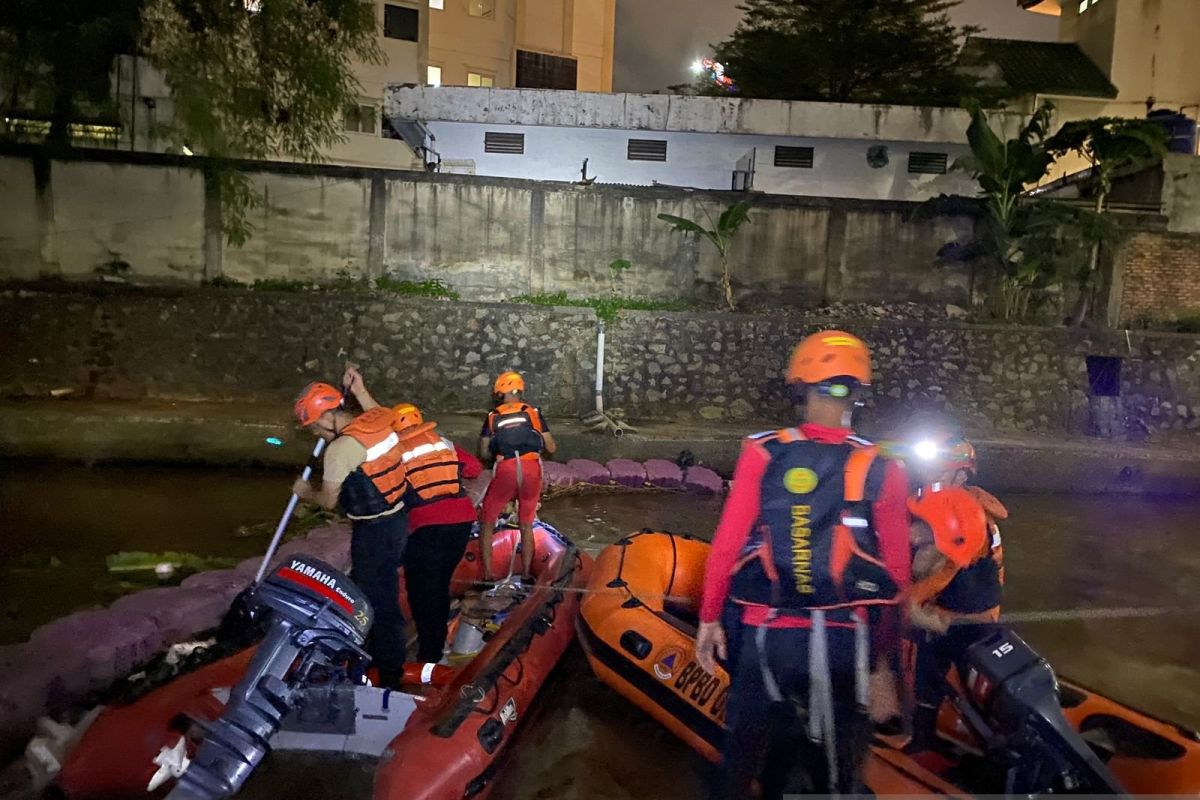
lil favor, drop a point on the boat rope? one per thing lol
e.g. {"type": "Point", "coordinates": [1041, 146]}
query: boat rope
{"type": "Point", "coordinates": [1016, 617]}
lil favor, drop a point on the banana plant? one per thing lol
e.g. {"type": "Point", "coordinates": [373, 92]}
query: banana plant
{"type": "Point", "coordinates": [720, 234]}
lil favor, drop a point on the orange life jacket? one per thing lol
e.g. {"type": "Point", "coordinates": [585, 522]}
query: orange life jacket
{"type": "Point", "coordinates": [974, 589]}
{"type": "Point", "coordinates": [379, 483]}
{"type": "Point", "coordinates": [996, 513]}
{"type": "Point", "coordinates": [430, 463]}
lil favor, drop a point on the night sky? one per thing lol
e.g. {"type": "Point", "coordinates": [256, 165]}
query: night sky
{"type": "Point", "coordinates": [658, 39]}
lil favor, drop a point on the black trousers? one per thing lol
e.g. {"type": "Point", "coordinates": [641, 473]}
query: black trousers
{"type": "Point", "coordinates": [376, 553]}
{"type": "Point", "coordinates": [433, 553]}
{"type": "Point", "coordinates": [768, 740]}
{"type": "Point", "coordinates": [936, 653]}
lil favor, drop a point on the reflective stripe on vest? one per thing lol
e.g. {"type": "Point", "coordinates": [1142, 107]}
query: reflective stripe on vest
{"type": "Point", "coordinates": [424, 450]}
{"type": "Point", "coordinates": [378, 451]}
{"type": "Point", "coordinates": [431, 465]}
{"type": "Point", "coordinates": [383, 468]}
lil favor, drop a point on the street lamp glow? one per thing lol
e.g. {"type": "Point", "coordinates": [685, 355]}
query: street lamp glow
{"type": "Point", "coordinates": [697, 66]}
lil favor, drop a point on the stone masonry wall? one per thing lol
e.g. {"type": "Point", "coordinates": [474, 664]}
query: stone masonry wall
{"type": "Point", "coordinates": [250, 346]}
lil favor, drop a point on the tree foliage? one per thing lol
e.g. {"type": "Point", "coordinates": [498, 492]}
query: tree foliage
{"type": "Point", "coordinates": [275, 85]}
{"type": "Point", "coordinates": [1110, 145]}
{"type": "Point", "coordinates": [56, 57]}
{"type": "Point", "coordinates": [860, 51]}
{"type": "Point", "coordinates": [1031, 246]}
{"type": "Point", "coordinates": [249, 79]}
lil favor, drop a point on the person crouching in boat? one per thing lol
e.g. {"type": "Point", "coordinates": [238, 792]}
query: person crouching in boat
{"type": "Point", "coordinates": [956, 594]}
{"type": "Point", "coordinates": [364, 472]}
{"type": "Point", "coordinates": [824, 517]}
{"type": "Point", "coordinates": [515, 434]}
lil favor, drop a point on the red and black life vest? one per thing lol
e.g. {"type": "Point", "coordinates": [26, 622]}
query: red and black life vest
{"type": "Point", "coordinates": [378, 485]}
{"type": "Point", "coordinates": [515, 430]}
{"type": "Point", "coordinates": [814, 545]}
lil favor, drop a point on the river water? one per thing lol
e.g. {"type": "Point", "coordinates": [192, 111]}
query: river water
{"type": "Point", "coordinates": [1063, 553]}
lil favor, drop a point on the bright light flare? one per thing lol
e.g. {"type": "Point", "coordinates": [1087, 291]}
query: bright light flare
{"type": "Point", "coordinates": [926, 450]}
{"type": "Point", "coordinates": [697, 66]}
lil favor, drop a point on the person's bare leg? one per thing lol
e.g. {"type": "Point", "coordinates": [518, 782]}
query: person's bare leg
{"type": "Point", "coordinates": [487, 527]}
{"type": "Point", "coordinates": [527, 551]}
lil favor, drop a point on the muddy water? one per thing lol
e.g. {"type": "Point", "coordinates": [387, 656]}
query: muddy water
{"type": "Point", "coordinates": [57, 523]}
{"type": "Point", "coordinates": [583, 741]}
{"type": "Point", "coordinates": [1061, 552]}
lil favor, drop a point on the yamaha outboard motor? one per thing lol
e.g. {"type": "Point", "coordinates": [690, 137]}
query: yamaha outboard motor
{"type": "Point", "coordinates": [1013, 703]}
{"type": "Point", "coordinates": [319, 620]}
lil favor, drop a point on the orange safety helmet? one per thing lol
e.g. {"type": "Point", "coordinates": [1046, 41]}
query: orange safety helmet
{"type": "Point", "coordinates": [509, 382]}
{"type": "Point", "coordinates": [315, 400]}
{"type": "Point", "coordinates": [407, 415]}
{"type": "Point", "coordinates": [957, 520]}
{"type": "Point", "coordinates": [960, 455]}
{"type": "Point", "coordinates": [830, 354]}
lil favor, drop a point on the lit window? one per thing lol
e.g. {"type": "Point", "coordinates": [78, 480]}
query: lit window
{"type": "Point", "coordinates": [437, 5]}
{"type": "Point", "coordinates": [433, 76]}
{"type": "Point", "coordinates": [400, 22]}
{"type": "Point", "coordinates": [481, 8]}
{"type": "Point", "coordinates": [359, 119]}
{"type": "Point", "coordinates": [479, 79]}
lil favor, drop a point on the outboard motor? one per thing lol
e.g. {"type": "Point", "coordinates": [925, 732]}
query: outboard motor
{"type": "Point", "coordinates": [1012, 701]}
{"type": "Point", "coordinates": [319, 620]}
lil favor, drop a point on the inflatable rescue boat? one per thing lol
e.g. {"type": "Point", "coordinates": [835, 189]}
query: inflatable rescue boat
{"type": "Point", "coordinates": [1008, 727]}
{"type": "Point", "coordinates": [301, 688]}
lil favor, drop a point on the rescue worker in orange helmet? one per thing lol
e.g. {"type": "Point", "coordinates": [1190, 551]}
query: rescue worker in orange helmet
{"type": "Point", "coordinates": [440, 519]}
{"type": "Point", "coordinates": [816, 529]}
{"type": "Point", "coordinates": [948, 459]}
{"type": "Point", "coordinates": [514, 434]}
{"type": "Point", "coordinates": [956, 594]}
{"type": "Point", "coordinates": [364, 473]}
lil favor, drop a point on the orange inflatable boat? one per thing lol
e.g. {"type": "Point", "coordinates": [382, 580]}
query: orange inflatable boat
{"type": "Point", "coordinates": [202, 734]}
{"type": "Point", "coordinates": [1007, 731]}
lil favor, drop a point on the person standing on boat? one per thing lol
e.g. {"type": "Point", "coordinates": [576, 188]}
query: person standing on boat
{"type": "Point", "coordinates": [364, 473]}
{"type": "Point", "coordinates": [958, 569]}
{"type": "Point", "coordinates": [816, 529]}
{"type": "Point", "coordinates": [515, 435]}
{"type": "Point", "coordinates": [440, 518]}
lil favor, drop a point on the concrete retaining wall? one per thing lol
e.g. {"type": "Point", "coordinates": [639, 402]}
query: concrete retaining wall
{"type": "Point", "coordinates": [488, 238]}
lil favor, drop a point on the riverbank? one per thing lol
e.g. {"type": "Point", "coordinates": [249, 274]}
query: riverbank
{"type": "Point", "coordinates": [236, 434]}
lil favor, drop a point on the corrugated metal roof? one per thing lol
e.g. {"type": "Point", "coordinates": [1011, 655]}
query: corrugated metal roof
{"type": "Point", "coordinates": [1043, 67]}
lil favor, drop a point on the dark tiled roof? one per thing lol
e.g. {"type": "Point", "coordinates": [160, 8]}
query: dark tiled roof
{"type": "Point", "coordinates": [1043, 67]}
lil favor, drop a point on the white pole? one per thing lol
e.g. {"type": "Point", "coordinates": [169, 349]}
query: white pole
{"type": "Point", "coordinates": [287, 514]}
{"type": "Point", "coordinates": [600, 368]}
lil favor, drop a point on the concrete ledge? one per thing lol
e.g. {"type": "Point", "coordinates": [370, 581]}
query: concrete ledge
{"type": "Point", "coordinates": [227, 434]}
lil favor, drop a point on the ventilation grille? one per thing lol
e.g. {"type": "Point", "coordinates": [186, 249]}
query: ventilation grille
{"type": "Point", "coordinates": [510, 143]}
{"type": "Point", "coordinates": [927, 163]}
{"type": "Point", "coordinates": [647, 150]}
{"type": "Point", "coordinates": [801, 157]}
